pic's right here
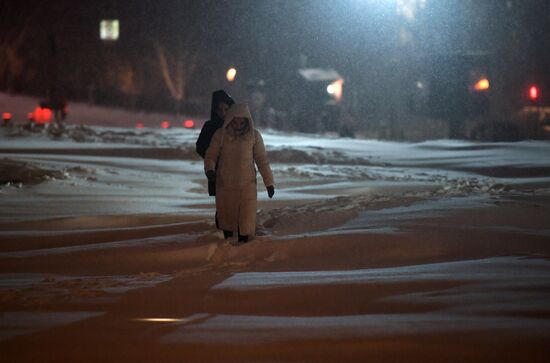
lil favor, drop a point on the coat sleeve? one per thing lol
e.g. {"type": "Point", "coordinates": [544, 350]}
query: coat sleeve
{"type": "Point", "coordinates": [204, 139]}
{"type": "Point", "coordinates": [213, 151]}
{"type": "Point", "coordinates": [260, 157]}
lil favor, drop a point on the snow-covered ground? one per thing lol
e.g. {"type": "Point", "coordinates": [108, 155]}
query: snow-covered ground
{"type": "Point", "coordinates": [380, 249]}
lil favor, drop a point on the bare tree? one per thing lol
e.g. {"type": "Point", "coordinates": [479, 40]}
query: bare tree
{"type": "Point", "coordinates": [16, 21]}
{"type": "Point", "coordinates": [177, 67]}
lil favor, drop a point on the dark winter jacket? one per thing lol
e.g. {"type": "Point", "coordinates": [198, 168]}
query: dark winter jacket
{"type": "Point", "coordinates": [215, 122]}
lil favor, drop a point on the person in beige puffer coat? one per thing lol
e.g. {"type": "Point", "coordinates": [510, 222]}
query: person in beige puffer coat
{"type": "Point", "coordinates": [229, 161]}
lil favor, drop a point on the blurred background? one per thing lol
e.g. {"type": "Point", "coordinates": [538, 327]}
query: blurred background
{"type": "Point", "coordinates": [387, 69]}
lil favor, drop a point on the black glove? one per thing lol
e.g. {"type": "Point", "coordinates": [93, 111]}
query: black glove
{"type": "Point", "coordinates": [211, 175]}
{"type": "Point", "coordinates": [270, 191]}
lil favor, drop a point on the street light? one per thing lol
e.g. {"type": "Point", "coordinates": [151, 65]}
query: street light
{"type": "Point", "coordinates": [231, 74]}
{"type": "Point", "coordinates": [482, 85]}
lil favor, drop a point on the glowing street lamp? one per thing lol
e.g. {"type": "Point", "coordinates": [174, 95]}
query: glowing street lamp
{"type": "Point", "coordinates": [409, 8]}
{"type": "Point", "coordinates": [231, 74]}
{"type": "Point", "coordinates": [482, 85]}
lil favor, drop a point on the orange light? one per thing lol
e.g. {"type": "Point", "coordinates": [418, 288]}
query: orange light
{"type": "Point", "coordinates": [231, 74]}
{"type": "Point", "coordinates": [165, 124]}
{"type": "Point", "coordinates": [139, 125]}
{"type": "Point", "coordinates": [533, 93]}
{"type": "Point", "coordinates": [482, 85]}
{"type": "Point", "coordinates": [6, 116]}
{"type": "Point", "coordinates": [188, 124]}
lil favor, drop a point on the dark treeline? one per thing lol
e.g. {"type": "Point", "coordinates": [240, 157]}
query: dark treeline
{"type": "Point", "coordinates": [171, 54]}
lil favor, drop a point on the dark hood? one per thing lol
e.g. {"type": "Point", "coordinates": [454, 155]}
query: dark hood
{"type": "Point", "coordinates": [218, 97]}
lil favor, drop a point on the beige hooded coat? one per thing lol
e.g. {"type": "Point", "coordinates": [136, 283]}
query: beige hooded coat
{"type": "Point", "coordinates": [235, 155]}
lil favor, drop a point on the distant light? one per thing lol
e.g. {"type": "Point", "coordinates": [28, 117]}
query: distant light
{"type": "Point", "coordinates": [6, 116]}
{"type": "Point", "coordinates": [188, 124]}
{"type": "Point", "coordinates": [335, 89]}
{"type": "Point", "coordinates": [165, 124]}
{"type": "Point", "coordinates": [231, 74]}
{"type": "Point", "coordinates": [42, 115]}
{"type": "Point", "coordinates": [161, 320]}
{"type": "Point", "coordinates": [45, 114]}
{"type": "Point", "coordinates": [409, 8]}
{"type": "Point", "coordinates": [533, 93]}
{"type": "Point", "coordinates": [139, 125]}
{"type": "Point", "coordinates": [482, 85]}
{"type": "Point", "coordinates": [109, 29]}
{"type": "Point", "coordinates": [189, 319]}
{"type": "Point", "coordinates": [419, 85]}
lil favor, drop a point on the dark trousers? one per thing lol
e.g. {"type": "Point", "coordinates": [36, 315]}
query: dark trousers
{"type": "Point", "coordinates": [228, 234]}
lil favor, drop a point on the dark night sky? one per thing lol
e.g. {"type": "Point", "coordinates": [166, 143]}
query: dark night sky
{"type": "Point", "coordinates": [327, 31]}
{"type": "Point", "coordinates": [265, 38]}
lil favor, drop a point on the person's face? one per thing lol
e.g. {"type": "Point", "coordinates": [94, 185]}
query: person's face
{"type": "Point", "coordinates": [238, 123]}
{"type": "Point", "coordinates": [221, 109]}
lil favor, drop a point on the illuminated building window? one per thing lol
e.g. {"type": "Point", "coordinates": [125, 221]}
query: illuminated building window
{"type": "Point", "coordinates": [109, 29]}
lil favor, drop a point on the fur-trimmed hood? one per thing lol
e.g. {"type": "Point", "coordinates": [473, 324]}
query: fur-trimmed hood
{"type": "Point", "coordinates": [233, 156]}
{"type": "Point", "coordinates": [238, 110]}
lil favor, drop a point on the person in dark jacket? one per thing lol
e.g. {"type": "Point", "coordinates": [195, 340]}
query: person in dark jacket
{"type": "Point", "coordinates": [221, 101]}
